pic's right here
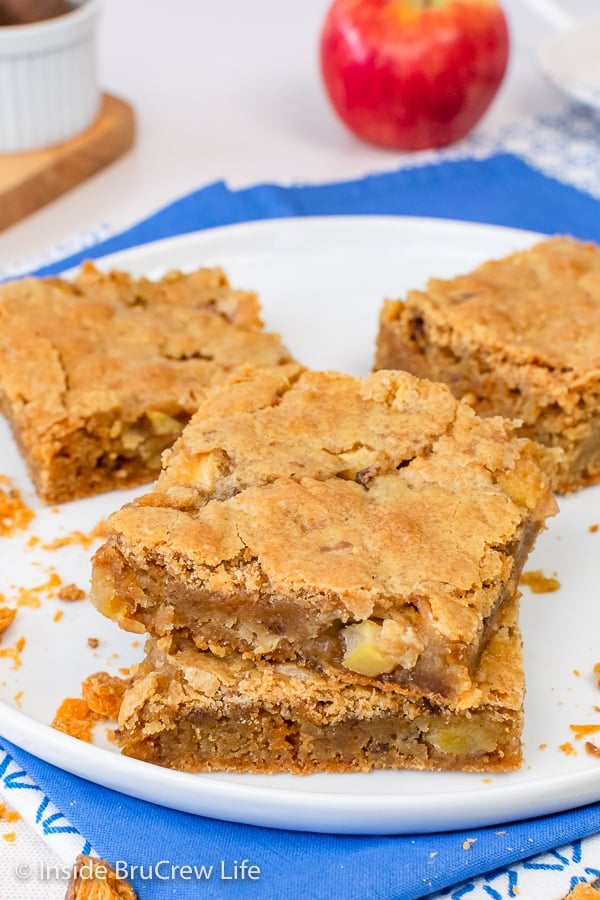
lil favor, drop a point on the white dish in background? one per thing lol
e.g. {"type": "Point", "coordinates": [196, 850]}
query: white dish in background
{"type": "Point", "coordinates": [569, 58]}
{"type": "Point", "coordinates": [321, 283]}
{"type": "Point", "coordinates": [49, 79]}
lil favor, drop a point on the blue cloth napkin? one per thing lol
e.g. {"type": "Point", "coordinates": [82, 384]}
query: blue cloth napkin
{"type": "Point", "coordinates": [501, 190]}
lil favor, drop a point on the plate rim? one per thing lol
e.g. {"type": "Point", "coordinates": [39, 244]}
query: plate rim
{"type": "Point", "coordinates": [298, 223]}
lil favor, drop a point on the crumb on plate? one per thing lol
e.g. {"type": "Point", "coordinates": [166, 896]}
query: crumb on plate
{"type": "Point", "coordinates": [101, 696]}
{"type": "Point", "coordinates": [568, 749]}
{"type": "Point", "coordinates": [14, 653]}
{"type": "Point", "coordinates": [7, 616]}
{"type": "Point", "coordinates": [70, 593]}
{"type": "Point", "coordinates": [581, 731]}
{"type": "Point", "coordinates": [539, 583]}
{"type": "Point", "coordinates": [15, 515]}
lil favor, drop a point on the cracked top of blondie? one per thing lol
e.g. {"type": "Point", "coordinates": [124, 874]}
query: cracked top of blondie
{"type": "Point", "coordinates": [292, 511]}
{"type": "Point", "coordinates": [540, 306]}
{"type": "Point", "coordinates": [71, 350]}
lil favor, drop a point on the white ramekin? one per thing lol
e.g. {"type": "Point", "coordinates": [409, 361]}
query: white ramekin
{"type": "Point", "coordinates": [48, 79]}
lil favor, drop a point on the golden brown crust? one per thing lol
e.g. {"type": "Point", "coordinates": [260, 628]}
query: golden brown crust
{"type": "Point", "coordinates": [99, 375]}
{"type": "Point", "coordinates": [290, 509]}
{"type": "Point", "coordinates": [517, 337]}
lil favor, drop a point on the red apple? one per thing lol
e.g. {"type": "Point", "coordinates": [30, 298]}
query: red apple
{"type": "Point", "coordinates": [413, 74]}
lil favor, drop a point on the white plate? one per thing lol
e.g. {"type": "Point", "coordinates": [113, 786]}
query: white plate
{"type": "Point", "coordinates": [322, 282]}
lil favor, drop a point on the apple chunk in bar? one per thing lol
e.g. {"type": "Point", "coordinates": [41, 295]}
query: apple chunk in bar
{"type": "Point", "coordinates": [184, 707]}
{"type": "Point", "coordinates": [368, 527]}
{"type": "Point", "coordinates": [99, 374]}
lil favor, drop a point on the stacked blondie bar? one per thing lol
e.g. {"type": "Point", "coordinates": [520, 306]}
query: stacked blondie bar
{"type": "Point", "coordinates": [327, 566]}
{"type": "Point", "coordinates": [328, 569]}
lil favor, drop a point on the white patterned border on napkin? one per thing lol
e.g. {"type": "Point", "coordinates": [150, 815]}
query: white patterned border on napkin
{"type": "Point", "coordinates": [20, 791]}
{"type": "Point", "coordinates": [71, 245]}
{"type": "Point", "coordinates": [548, 876]}
{"type": "Point", "coordinates": [565, 146]}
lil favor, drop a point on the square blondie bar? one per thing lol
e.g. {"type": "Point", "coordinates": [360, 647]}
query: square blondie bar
{"type": "Point", "coordinates": [188, 709]}
{"type": "Point", "coordinates": [98, 375]}
{"type": "Point", "coordinates": [370, 528]}
{"type": "Point", "coordinates": [518, 337]}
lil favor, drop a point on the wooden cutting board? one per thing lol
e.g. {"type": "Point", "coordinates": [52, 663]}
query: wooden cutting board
{"type": "Point", "coordinates": [30, 180]}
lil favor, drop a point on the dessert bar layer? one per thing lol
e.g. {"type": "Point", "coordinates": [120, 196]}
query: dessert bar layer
{"type": "Point", "coordinates": [372, 527]}
{"type": "Point", "coordinates": [518, 337]}
{"type": "Point", "coordinates": [98, 375]}
{"type": "Point", "coordinates": [190, 710]}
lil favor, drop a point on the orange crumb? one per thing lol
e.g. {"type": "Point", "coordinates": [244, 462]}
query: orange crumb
{"type": "Point", "coordinates": [74, 717]}
{"type": "Point", "coordinates": [135, 644]}
{"type": "Point", "coordinates": [103, 694]}
{"type": "Point", "coordinates": [593, 528]}
{"type": "Point", "coordinates": [92, 642]}
{"type": "Point", "coordinates": [540, 583]}
{"type": "Point", "coordinates": [14, 513]}
{"type": "Point", "coordinates": [7, 616]}
{"type": "Point", "coordinates": [10, 837]}
{"type": "Point", "coordinates": [101, 698]}
{"type": "Point", "coordinates": [18, 697]}
{"type": "Point", "coordinates": [486, 780]}
{"type": "Point", "coordinates": [568, 749]}
{"type": "Point", "coordinates": [30, 596]}
{"type": "Point", "coordinates": [583, 730]}
{"type": "Point", "coordinates": [58, 615]}
{"type": "Point", "coordinates": [583, 891]}
{"type": "Point", "coordinates": [70, 592]}
{"type": "Point", "coordinates": [468, 842]}
{"type": "Point", "coordinates": [592, 749]}
{"type": "Point", "coordinates": [576, 673]}
{"type": "Point", "coordinates": [500, 833]}
{"type": "Point", "coordinates": [7, 814]}
{"type": "Point", "coordinates": [14, 653]}
{"type": "Point", "coordinates": [125, 670]}
{"type": "Point", "coordinates": [33, 541]}
{"type": "Point", "coordinates": [596, 671]}
{"type": "Point", "coordinates": [77, 538]}
{"type": "Point", "coordinates": [542, 746]}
